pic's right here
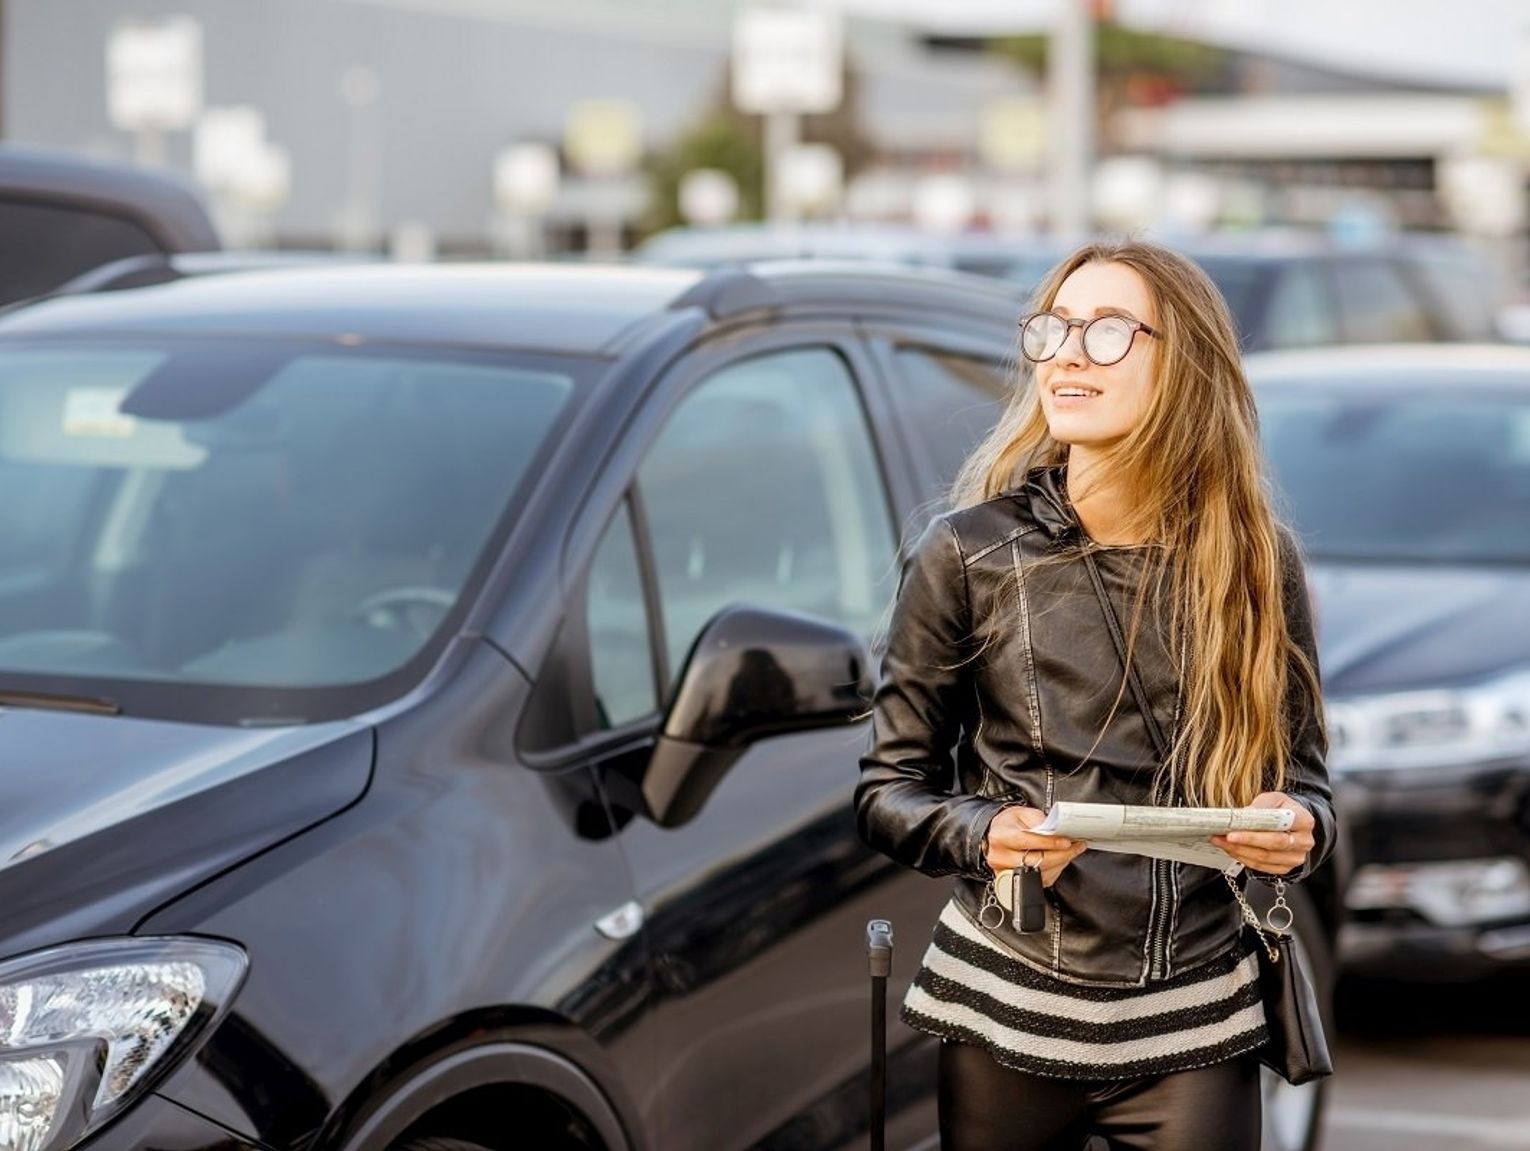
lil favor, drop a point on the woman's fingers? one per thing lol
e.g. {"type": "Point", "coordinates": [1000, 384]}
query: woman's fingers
{"type": "Point", "coordinates": [1050, 871]}
{"type": "Point", "coordinates": [1274, 852]}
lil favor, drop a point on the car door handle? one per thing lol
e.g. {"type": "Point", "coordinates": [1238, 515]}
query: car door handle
{"type": "Point", "coordinates": [623, 923]}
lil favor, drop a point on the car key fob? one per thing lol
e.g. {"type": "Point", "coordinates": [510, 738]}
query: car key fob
{"type": "Point", "coordinates": [1027, 900]}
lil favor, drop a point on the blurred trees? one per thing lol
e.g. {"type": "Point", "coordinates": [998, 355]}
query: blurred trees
{"type": "Point", "coordinates": [726, 138]}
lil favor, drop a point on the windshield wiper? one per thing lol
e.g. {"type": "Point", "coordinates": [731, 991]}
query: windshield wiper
{"type": "Point", "coordinates": [91, 704]}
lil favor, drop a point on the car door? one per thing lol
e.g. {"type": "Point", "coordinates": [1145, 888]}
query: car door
{"type": "Point", "coordinates": [765, 484]}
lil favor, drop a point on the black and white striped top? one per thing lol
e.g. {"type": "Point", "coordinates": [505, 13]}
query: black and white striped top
{"type": "Point", "coordinates": [972, 989]}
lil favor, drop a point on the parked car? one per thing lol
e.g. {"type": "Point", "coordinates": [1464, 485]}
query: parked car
{"type": "Point", "coordinates": [1285, 288]}
{"type": "Point", "coordinates": [431, 702]}
{"type": "Point", "coordinates": [62, 214]}
{"type": "Point", "coordinates": [1407, 472]}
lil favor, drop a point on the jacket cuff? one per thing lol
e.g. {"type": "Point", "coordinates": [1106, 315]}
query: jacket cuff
{"type": "Point", "coordinates": [978, 849]}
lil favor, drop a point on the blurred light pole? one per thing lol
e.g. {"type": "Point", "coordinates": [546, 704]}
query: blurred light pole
{"type": "Point", "coordinates": [359, 90]}
{"type": "Point", "coordinates": [1070, 99]}
{"type": "Point", "coordinates": [154, 81]}
{"type": "Point", "coordinates": [787, 61]}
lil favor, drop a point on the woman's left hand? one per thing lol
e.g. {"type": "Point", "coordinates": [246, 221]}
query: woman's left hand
{"type": "Point", "coordinates": [1275, 852]}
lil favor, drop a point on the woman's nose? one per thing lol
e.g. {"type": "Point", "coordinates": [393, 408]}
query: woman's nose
{"type": "Point", "coordinates": [1072, 349]}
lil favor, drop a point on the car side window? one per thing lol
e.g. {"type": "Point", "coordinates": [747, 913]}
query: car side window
{"type": "Point", "coordinates": [44, 245]}
{"type": "Point", "coordinates": [1376, 305]}
{"type": "Point", "coordinates": [763, 489]}
{"type": "Point", "coordinates": [952, 402]}
{"type": "Point", "coordinates": [1301, 311]}
{"type": "Point", "coordinates": [621, 641]}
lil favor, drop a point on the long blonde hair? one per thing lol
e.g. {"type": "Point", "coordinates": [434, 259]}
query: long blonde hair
{"type": "Point", "coordinates": [1192, 470]}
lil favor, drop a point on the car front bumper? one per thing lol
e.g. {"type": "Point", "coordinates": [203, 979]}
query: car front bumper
{"type": "Point", "coordinates": [1440, 886]}
{"type": "Point", "coordinates": [156, 1124]}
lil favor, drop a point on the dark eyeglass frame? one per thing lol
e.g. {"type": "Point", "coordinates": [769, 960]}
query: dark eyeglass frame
{"type": "Point", "coordinates": [1083, 339]}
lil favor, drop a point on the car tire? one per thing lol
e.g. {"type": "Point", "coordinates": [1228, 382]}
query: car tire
{"type": "Point", "coordinates": [1293, 1116]}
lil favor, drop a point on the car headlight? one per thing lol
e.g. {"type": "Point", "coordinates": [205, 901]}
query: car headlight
{"type": "Point", "coordinates": [1425, 728]}
{"type": "Point", "coordinates": [85, 1029]}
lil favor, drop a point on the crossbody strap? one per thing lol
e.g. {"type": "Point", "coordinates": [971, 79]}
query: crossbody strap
{"type": "Point", "coordinates": [1113, 625]}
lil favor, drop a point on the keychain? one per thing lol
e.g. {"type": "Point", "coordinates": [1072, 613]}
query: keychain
{"type": "Point", "coordinates": [1020, 893]}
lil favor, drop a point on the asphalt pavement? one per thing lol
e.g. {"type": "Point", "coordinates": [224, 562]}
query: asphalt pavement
{"type": "Point", "coordinates": [1428, 1067]}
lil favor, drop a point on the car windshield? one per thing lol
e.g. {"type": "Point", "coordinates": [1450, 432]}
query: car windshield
{"type": "Point", "coordinates": [235, 531]}
{"type": "Point", "coordinates": [1403, 474]}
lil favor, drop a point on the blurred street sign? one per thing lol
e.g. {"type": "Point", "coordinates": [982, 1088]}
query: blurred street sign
{"type": "Point", "coordinates": [787, 59]}
{"type": "Point", "coordinates": [154, 74]}
{"type": "Point", "coordinates": [525, 179]}
{"type": "Point", "coordinates": [603, 137]}
{"type": "Point", "coordinates": [1013, 133]}
{"type": "Point", "coordinates": [708, 197]}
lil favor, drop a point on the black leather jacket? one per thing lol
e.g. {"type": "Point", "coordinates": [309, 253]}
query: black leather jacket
{"type": "Point", "coordinates": [959, 733]}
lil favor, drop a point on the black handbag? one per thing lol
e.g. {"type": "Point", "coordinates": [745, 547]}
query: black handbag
{"type": "Point", "coordinates": [1296, 1049]}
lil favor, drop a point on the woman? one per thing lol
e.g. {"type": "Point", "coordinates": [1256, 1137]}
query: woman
{"type": "Point", "coordinates": [1121, 490]}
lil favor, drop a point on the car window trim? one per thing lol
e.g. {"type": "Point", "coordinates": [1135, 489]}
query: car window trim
{"type": "Point", "coordinates": [687, 370]}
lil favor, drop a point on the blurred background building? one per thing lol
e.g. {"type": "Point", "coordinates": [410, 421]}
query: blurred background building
{"type": "Point", "coordinates": [461, 128]}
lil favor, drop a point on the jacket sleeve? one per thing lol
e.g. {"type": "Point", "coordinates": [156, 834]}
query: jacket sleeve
{"type": "Point", "coordinates": [1306, 772]}
{"type": "Point", "coordinates": [905, 803]}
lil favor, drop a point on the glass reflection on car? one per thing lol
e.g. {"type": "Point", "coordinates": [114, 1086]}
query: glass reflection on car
{"type": "Point", "coordinates": [249, 514]}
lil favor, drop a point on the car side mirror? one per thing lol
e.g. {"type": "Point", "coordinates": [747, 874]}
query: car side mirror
{"type": "Point", "coordinates": [751, 673]}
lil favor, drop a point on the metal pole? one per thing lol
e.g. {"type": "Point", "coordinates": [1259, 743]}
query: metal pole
{"type": "Point", "coordinates": [1070, 99]}
{"type": "Point", "coordinates": [781, 130]}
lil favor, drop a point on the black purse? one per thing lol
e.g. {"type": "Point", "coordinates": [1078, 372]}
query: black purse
{"type": "Point", "coordinates": [1296, 1049]}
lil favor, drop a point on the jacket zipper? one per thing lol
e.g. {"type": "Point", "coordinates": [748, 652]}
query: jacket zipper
{"type": "Point", "coordinates": [1163, 911]}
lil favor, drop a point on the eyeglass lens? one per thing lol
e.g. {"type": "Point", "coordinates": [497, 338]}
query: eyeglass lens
{"type": "Point", "coordinates": [1106, 338]}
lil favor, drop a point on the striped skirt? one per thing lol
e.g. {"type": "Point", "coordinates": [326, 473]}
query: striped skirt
{"type": "Point", "coordinates": [972, 989]}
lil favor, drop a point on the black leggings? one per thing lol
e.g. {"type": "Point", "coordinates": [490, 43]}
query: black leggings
{"type": "Point", "coordinates": [985, 1106]}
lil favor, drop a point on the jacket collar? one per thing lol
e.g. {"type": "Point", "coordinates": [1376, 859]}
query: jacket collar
{"type": "Point", "coordinates": [1047, 492]}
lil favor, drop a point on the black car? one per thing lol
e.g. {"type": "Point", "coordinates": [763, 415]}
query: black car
{"type": "Point", "coordinates": [63, 214]}
{"type": "Point", "coordinates": [432, 698]}
{"type": "Point", "coordinates": [1407, 471]}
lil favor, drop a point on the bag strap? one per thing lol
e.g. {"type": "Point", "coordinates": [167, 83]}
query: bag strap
{"type": "Point", "coordinates": [1155, 733]}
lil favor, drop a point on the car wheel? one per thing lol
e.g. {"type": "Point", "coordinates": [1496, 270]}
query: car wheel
{"type": "Point", "coordinates": [1293, 1116]}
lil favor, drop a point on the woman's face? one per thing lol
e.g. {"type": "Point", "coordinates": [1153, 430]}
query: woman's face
{"type": "Point", "coordinates": [1088, 406]}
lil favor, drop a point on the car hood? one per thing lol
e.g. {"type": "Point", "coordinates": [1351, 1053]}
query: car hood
{"type": "Point", "coordinates": [1385, 628]}
{"type": "Point", "coordinates": [103, 818]}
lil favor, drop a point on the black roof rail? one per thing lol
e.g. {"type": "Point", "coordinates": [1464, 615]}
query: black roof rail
{"type": "Point", "coordinates": [729, 292]}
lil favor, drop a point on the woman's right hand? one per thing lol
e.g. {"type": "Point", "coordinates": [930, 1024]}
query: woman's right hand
{"type": "Point", "coordinates": [1012, 844]}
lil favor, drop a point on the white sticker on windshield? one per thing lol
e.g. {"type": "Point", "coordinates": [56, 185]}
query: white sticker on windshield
{"type": "Point", "coordinates": [96, 412]}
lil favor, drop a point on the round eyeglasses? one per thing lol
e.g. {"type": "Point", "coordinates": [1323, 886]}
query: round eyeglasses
{"type": "Point", "coordinates": [1105, 340]}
